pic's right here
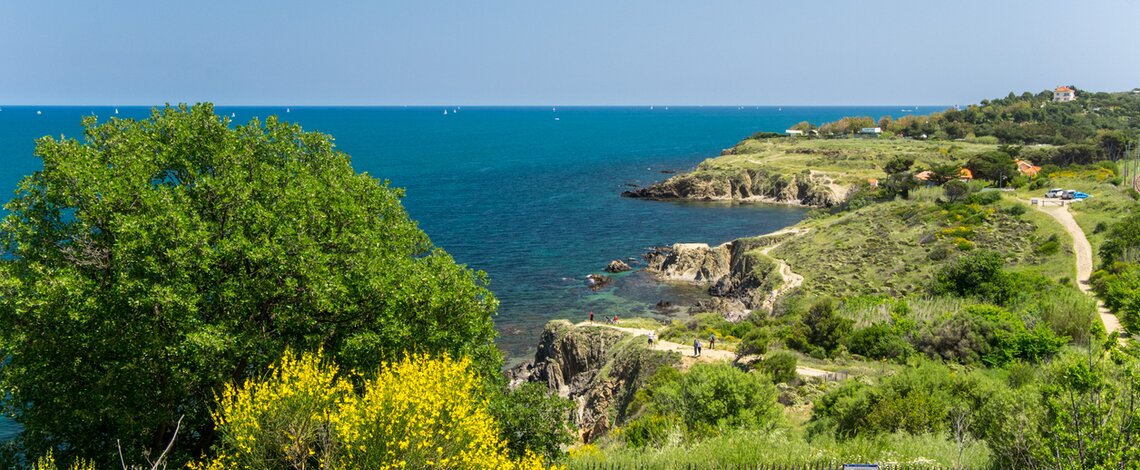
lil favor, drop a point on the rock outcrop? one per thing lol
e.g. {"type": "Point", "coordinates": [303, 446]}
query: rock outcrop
{"type": "Point", "coordinates": [739, 276]}
{"type": "Point", "coordinates": [807, 189]}
{"type": "Point", "coordinates": [599, 368]}
{"type": "Point", "coordinates": [617, 266]}
{"type": "Point", "coordinates": [597, 281]}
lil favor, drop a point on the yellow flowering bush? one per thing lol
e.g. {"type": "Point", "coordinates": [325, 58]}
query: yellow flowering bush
{"type": "Point", "coordinates": [47, 462]}
{"type": "Point", "coordinates": [419, 412]}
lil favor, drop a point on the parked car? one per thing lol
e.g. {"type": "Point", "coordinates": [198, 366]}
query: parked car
{"type": "Point", "coordinates": [1055, 192]}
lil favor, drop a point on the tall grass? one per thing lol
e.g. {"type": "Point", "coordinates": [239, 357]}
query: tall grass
{"type": "Point", "coordinates": [784, 447]}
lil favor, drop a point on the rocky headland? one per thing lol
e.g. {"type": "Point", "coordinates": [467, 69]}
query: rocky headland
{"type": "Point", "coordinates": [739, 274]}
{"type": "Point", "coordinates": [746, 185]}
{"type": "Point", "coordinates": [599, 368]}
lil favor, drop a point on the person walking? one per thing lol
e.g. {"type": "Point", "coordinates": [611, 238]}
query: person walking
{"type": "Point", "coordinates": [712, 340]}
{"type": "Point", "coordinates": [591, 317]}
{"type": "Point", "coordinates": [696, 347]}
{"type": "Point", "coordinates": [650, 338]}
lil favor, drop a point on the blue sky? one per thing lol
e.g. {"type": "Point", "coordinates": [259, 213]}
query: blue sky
{"type": "Point", "coordinates": [541, 52]}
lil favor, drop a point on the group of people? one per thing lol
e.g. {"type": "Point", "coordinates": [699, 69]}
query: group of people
{"type": "Point", "coordinates": [697, 346]}
{"type": "Point", "coordinates": [613, 320]}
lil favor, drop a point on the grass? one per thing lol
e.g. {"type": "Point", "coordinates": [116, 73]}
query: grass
{"type": "Point", "coordinates": [784, 447]}
{"type": "Point", "coordinates": [847, 161]}
{"type": "Point", "coordinates": [894, 248]}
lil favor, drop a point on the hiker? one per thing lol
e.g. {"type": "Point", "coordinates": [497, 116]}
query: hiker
{"type": "Point", "coordinates": [712, 340]}
{"type": "Point", "coordinates": [591, 317]}
{"type": "Point", "coordinates": [615, 319]}
{"type": "Point", "coordinates": [650, 336]}
{"type": "Point", "coordinates": [696, 347]}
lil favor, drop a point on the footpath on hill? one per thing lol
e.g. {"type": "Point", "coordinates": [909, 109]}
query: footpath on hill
{"type": "Point", "coordinates": [1084, 261]}
{"type": "Point", "coordinates": [792, 280]}
{"type": "Point", "coordinates": [707, 354]}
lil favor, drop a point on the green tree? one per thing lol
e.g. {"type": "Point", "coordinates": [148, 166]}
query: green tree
{"type": "Point", "coordinates": [996, 166]}
{"type": "Point", "coordinates": [156, 260]}
{"type": "Point", "coordinates": [955, 190]}
{"type": "Point", "coordinates": [825, 328]}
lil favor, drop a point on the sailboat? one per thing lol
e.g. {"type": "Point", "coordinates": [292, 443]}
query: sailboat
{"type": "Point", "coordinates": [116, 110]}
{"type": "Point", "coordinates": [553, 109]}
{"type": "Point", "coordinates": [445, 112]}
{"type": "Point", "coordinates": [233, 114]}
{"type": "Point", "coordinates": [39, 113]}
{"type": "Point", "coordinates": [651, 108]}
{"type": "Point", "coordinates": [287, 110]}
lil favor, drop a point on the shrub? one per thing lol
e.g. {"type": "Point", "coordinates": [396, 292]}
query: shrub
{"type": "Point", "coordinates": [533, 419]}
{"type": "Point", "coordinates": [780, 366]}
{"type": "Point", "coordinates": [824, 329]}
{"type": "Point", "coordinates": [980, 275]}
{"type": "Point", "coordinates": [879, 341]}
{"type": "Point", "coordinates": [984, 198]}
{"type": "Point", "coordinates": [988, 334]}
{"type": "Point", "coordinates": [650, 429]}
{"type": "Point", "coordinates": [417, 412]}
{"type": "Point", "coordinates": [1016, 210]}
{"type": "Point", "coordinates": [711, 396]}
{"type": "Point", "coordinates": [1050, 246]}
{"type": "Point", "coordinates": [938, 253]}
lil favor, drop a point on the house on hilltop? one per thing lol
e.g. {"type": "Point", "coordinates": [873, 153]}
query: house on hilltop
{"type": "Point", "coordinates": [1064, 94]}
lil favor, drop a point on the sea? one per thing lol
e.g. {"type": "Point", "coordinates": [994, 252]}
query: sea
{"type": "Point", "coordinates": [530, 195]}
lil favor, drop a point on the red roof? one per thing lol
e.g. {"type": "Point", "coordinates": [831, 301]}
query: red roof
{"type": "Point", "coordinates": [1062, 89]}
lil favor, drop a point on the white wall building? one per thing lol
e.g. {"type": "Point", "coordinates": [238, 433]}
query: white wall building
{"type": "Point", "coordinates": [1063, 94]}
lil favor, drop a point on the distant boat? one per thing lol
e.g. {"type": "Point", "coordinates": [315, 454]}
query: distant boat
{"type": "Point", "coordinates": [651, 108]}
{"type": "Point", "coordinates": [287, 110]}
{"type": "Point", "coordinates": [233, 114]}
{"type": "Point", "coordinates": [39, 113]}
{"type": "Point", "coordinates": [445, 112]}
{"type": "Point", "coordinates": [666, 108]}
{"type": "Point", "coordinates": [554, 109]}
{"type": "Point", "coordinates": [557, 119]}
{"type": "Point", "coordinates": [116, 110]}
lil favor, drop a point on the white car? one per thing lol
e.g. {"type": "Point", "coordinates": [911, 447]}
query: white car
{"type": "Point", "coordinates": [1055, 192]}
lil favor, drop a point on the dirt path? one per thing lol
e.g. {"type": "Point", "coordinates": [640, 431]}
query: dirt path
{"type": "Point", "coordinates": [707, 355]}
{"type": "Point", "coordinates": [791, 279]}
{"type": "Point", "coordinates": [1084, 261]}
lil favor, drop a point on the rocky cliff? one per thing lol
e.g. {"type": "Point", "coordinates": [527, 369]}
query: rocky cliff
{"type": "Point", "coordinates": [739, 275]}
{"type": "Point", "coordinates": [599, 368]}
{"type": "Point", "coordinates": [806, 188]}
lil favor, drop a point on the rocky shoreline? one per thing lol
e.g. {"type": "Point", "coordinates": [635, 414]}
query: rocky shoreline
{"type": "Point", "coordinates": [808, 189]}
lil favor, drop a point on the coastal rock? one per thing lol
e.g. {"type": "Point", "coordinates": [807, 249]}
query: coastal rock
{"type": "Point", "coordinates": [600, 369]}
{"type": "Point", "coordinates": [597, 281]}
{"type": "Point", "coordinates": [813, 189]}
{"type": "Point", "coordinates": [617, 266]}
{"type": "Point", "coordinates": [739, 276]}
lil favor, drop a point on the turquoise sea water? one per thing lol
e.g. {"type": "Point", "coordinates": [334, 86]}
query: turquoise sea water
{"type": "Point", "coordinates": [529, 195]}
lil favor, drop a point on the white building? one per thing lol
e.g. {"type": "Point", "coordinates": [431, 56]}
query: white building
{"type": "Point", "coordinates": [1063, 94]}
{"type": "Point", "coordinates": [871, 130]}
{"type": "Point", "coordinates": [794, 132]}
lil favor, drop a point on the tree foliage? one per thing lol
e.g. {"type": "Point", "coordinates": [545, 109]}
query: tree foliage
{"type": "Point", "coordinates": [156, 260]}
